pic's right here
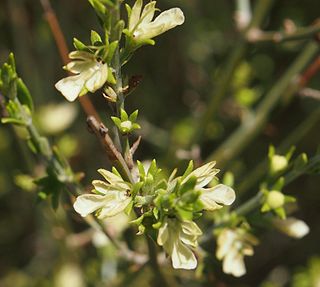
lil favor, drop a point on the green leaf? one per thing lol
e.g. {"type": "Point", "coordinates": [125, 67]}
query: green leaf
{"type": "Point", "coordinates": [24, 95]}
{"type": "Point", "coordinates": [95, 38]}
{"type": "Point", "coordinates": [116, 121]}
{"type": "Point", "coordinates": [79, 45]}
{"type": "Point", "coordinates": [123, 115]}
{"type": "Point", "coordinates": [111, 50]}
{"type": "Point", "coordinates": [133, 116]}
{"type": "Point", "coordinates": [188, 170]}
{"type": "Point", "coordinates": [141, 169]}
{"type": "Point", "coordinates": [13, 121]}
{"type": "Point", "coordinates": [111, 79]}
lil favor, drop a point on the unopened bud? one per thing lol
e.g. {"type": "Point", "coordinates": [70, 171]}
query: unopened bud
{"type": "Point", "coordinates": [110, 94]}
{"type": "Point", "coordinates": [275, 199]}
{"type": "Point", "coordinates": [278, 163]}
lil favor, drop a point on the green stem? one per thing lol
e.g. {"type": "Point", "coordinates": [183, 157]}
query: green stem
{"type": "Point", "coordinates": [261, 10]}
{"type": "Point", "coordinates": [159, 279]}
{"type": "Point", "coordinates": [252, 125]}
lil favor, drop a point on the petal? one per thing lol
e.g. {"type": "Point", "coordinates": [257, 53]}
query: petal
{"type": "Point", "coordinates": [163, 234]}
{"type": "Point", "coordinates": [220, 194]}
{"type": "Point", "coordinates": [204, 174]}
{"type": "Point", "coordinates": [148, 12]}
{"type": "Point", "coordinates": [182, 257]}
{"type": "Point", "coordinates": [77, 67]}
{"type": "Point", "coordinates": [190, 228]}
{"type": "Point", "coordinates": [71, 87]}
{"type": "Point", "coordinates": [234, 264]}
{"type": "Point", "coordinates": [103, 187]}
{"type": "Point", "coordinates": [225, 242]}
{"type": "Point", "coordinates": [114, 179]}
{"type": "Point", "coordinates": [135, 14]}
{"type": "Point", "coordinates": [114, 207]}
{"type": "Point", "coordinates": [88, 203]}
{"type": "Point", "coordinates": [97, 78]}
{"type": "Point", "coordinates": [81, 55]}
{"type": "Point", "coordinates": [164, 22]}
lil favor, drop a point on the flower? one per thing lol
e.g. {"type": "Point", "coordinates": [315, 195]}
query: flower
{"type": "Point", "coordinates": [90, 75]}
{"type": "Point", "coordinates": [213, 197]}
{"type": "Point", "coordinates": [110, 197]}
{"type": "Point", "coordinates": [291, 226]}
{"type": "Point", "coordinates": [233, 245]}
{"type": "Point", "coordinates": [177, 237]}
{"type": "Point", "coordinates": [141, 26]}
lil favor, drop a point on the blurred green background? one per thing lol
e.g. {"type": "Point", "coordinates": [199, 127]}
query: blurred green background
{"type": "Point", "coordinates": [179, 75]}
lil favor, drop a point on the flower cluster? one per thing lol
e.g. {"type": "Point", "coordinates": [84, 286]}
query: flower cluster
{"type": "Point", "coordinates": [167, 205]}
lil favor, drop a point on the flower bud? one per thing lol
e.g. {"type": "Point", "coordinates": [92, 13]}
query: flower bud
{"type": "Point", "coordinates": [275, 199]}
{"type": "Point", "coordinates": [278, 163]}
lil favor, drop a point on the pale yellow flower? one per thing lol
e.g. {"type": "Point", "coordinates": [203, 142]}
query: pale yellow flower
{"type": "Point", "coordinates": [177, 238]}
{"type": "Point", "coordinates": [212, 197]}
{"type": "Point", "coordinates": [143, 28]}
{"type": "Point", "coordinates": [111, 197]}
{"type": "Point", "coordinates": [90, 76]}
{"type": "Point", "coordinates": [233, 245]}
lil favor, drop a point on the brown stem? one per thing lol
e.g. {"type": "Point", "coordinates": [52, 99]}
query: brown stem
{"type": "Point", "coordinates": [114, 155]}
{"type": "Point", "coordinates": [59, 38]}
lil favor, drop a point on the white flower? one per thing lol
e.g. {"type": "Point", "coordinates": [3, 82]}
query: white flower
{"type": "Point", "coordinates": [90, 75]}
{"type": "Point", "coordinates": [177, 237]}
{"type": "Point", "coordinates": [112, 197]}
{"type": "Point", "coordinates": [291, 226]}
{"type": "Point", "coordinates": [214, 197]}
{"type": "Point", "coordinates": [233, 245]}
{"type": "Point", "coordinates": [143, 28]}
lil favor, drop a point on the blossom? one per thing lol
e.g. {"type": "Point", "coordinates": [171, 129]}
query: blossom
{"type": "Point", "coordinates": [233, 245]}
{"type": "Point", "coordinates": [143, 28]}
{"type": "Point", "coordinates": [90, 75]}
{"type": "Point", "coordinates": [177, 237]}
{"type": "Point", "coordinates": [291, 226]}
{"type": "Point", "coordinates": [110, 197]}
{"type": "Point", "coordinates": [212, 197]}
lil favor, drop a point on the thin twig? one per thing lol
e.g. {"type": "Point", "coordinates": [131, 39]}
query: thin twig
{"type": "Point", "coordinates": [256, 35]}
{"type": "Point", "coordinates": [61, 43]}
{"type": "Point", "coordinates": [262, 8]}
{"type": "Point", "coordinates": [114, 155]}
{"type": "Point", "coordinates": [252, 125]}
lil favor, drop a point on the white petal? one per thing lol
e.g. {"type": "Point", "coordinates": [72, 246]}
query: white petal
{"type": "Point", "coordinates": [114, 207]}
{"type": "Point", "coordinates": [190, 228]}
{"type": "Point", "coordinates": [71, 87]}
{"type": "Point", "coordinates": [135, 14]}
{"type": "Point", "coordinates": [88, 203]}
{"type": "Point", "coordinates": [234, 264]}
{"type": "Point", "coordinates": [148, 12]}
{"type": "Point", "coordinates": [204, 174]}
{"type": "Point", "coordinates": [164, 22]}
{"type": "Point", "coordinates": [77, 67]}
{"type": "Point", "coordinates": [102, 186]}
{"type": "Point", "coordinates": [97, 78]}
{"type": "Point", "coordinates": [114, 179]}
{"type": "Point", "coordinates": [163, 234]}
{"type": "Point", "coordinates": [182, 257]}
{"type": "Point", "coordinates": [220, 194]}
{"type": "Point", "coordinates": [81, 55]}
{"type": "Point", "coordinates": [225, 242]}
